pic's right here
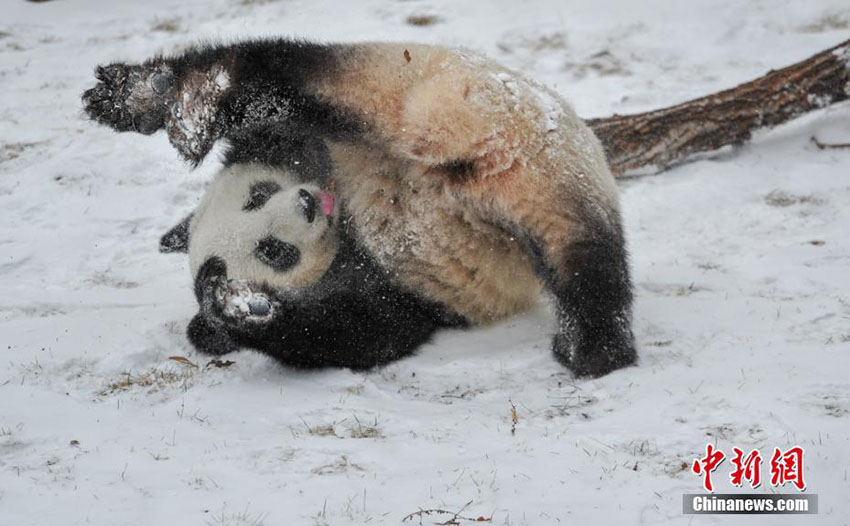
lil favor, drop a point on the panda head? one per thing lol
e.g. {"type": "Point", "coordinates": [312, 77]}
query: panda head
{"type": "Point", "coordinates": [266, 226]}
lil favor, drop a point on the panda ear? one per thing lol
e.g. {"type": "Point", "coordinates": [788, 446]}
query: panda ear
{"type": "Point", "coordinates": [176, 239]}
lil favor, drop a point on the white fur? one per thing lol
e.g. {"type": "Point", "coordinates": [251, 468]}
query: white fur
{"type": "Point", "coordinates": [220, 227]}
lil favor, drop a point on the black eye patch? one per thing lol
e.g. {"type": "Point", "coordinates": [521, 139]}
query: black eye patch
{"type": "Point", "coordinates": [308, 205]}
{"type": "Point", "coordinates": [277, 254]}
{"type": "Point", "coordinates": [259, 194]}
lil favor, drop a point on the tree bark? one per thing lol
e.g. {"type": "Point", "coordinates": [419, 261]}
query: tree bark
{"type": "Point", "coordinates": [658, 139]}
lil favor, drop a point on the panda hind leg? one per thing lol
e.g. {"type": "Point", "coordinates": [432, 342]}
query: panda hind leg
{"type": "Point", "coordinates": [590, 282]}
{"type": "Point", "coordinates": [131, 97]}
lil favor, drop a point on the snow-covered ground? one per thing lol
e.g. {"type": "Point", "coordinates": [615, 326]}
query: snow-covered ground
{"type": "Point", "coordinates": [740, 263]}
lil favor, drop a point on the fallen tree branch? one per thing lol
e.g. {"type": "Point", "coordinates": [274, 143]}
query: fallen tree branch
{"type": "Point", "coordinates": [660, 138]}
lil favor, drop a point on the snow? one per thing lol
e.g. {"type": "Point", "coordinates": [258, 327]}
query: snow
{"type": "Point", "coordinates": [740, 265]}
{"type": "Point", "coordinates": [239, 300]}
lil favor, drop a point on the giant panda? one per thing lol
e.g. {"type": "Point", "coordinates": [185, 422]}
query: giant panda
{"type": "Point", "coordinates": [275, 270]}
{"type": "Point", "coordinates": [467, 187]}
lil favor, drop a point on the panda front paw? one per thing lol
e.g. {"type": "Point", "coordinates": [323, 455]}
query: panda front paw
{"type": "Point", "coordinates": [231, 313]}
{"type": "Point", "coordinates": [131, 97]}
{"type": "Point", "coordinates": [231, 303]}
{"type": "Point", "coordinates": [208, 337]}
{"type": "Point", "coordinates": [240, 302]}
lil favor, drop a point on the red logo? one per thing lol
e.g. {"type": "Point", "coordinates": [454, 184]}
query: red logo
{"type": "Point", "coordinates": [787, 467]}
{"type": "Point", "coordinates": [712, 459]}
{"type": "Point", "coordinates": [746, 468]}
{"type": "Point", "coordinates": [784, 467]}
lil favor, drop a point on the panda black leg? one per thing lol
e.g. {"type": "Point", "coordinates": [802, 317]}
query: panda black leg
{"type": "Point", "coordinates": [208, 337]}
{"type": "Point", "coordinates": [593, 293]}
{"type": "Point", "coordinates": [354, 327]}
{"type": "Point", "coordinates": [212, 92]}
{"type": "Point", "coordinates": [131, 97]}
{"type": "Point", "coordinates": [151, 96]}
{"type": "Point", "coordinates": [228, 310]}
{"type": "Point", "coordinates": [206, 331]}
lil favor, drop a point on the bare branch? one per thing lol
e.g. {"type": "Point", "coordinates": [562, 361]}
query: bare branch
{"type": "Point", "coordinates": [662, 137]}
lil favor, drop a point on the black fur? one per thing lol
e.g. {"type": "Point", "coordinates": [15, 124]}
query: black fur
{"type": "Point", "coordinates": [208, 333]}
{"type": "Point", "coordinates": [269, 75]}
{"type": "Point", "coordinates": [593, 294]}
{"type": "Point", "coordinates": [268, 80]}
{"type": "Point", "coordinates": [112, 101]}
{"type": "Point", "coordinates": [259, 194]}
{"type": "Point", "coordinates": [459, 172]}
{"type": "Point", "coordinates": [308, 205]}
{"type": "Point", "coordinates": [354, 317]}
{"type": "Point", "coordinates": [277, 254]}
{"type": "Point", "coordinates": [208, 338]}
{"type": "Point", "coordinates": [280, 146]}
{"type": "Point", "coordinates": [176, 239]}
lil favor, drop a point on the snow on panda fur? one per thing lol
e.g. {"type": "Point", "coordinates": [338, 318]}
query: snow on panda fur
{"type": "Point", "coordinates": [470, 186]}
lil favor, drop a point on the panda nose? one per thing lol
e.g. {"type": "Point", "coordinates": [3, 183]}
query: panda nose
{"type": "Point", "coordinates": [308, 204]}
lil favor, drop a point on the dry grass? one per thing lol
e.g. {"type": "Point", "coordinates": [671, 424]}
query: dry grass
{"type": "Point", "coordinates": [354, 429]}
{"type": "Point", "coordinates": [105, 279]}
{"type": "Point", "coordinates": [423, 20]}
{"type": "Point", "coordinates": [577, 404]}
{"type": "Point", "coordinates": [321, 430]}
{"type": "Point", "coordinates": [514, 417]}
{"type": "Point", "coordinates": [549, 42]}
{"type": "Point", "coordinates": [340, 465]}
{"type": "Point", "coordinates": [241, 518]}
{"type": "Point", "coordinates": [166, 25]}
{"type": "Point", "coordinates": [455, 517]}
{"type": "Point", "coordinates": [827, 22]}
{"type": "Point", "coordinates": [360, 430]}
{"type": "Point", "coordinates": [14, 150]}
{"type": "Point", "coordinates": [781, 199]}
{"type": "Point", "coordinates": [603, 63]}
{"type": "Point", "coordinates": [660, 343]}
{"type": "Point", "coordinates": [154, 379]}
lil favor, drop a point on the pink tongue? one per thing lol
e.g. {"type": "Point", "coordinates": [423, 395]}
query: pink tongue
{"type": "Point", "coordinates": [327, 202]}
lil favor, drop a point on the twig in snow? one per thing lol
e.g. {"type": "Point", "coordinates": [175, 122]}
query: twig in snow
{"type": "Point", "coordinates": [828, 146]}
{"type": "Point", "coordinates": [454, 520]}
{"type": "Point", "coordinates": [183, 360]}
{"type": "Point", "coordinates": [514, 417]}
{"type": "Point", "coordinates": [219, 363]}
